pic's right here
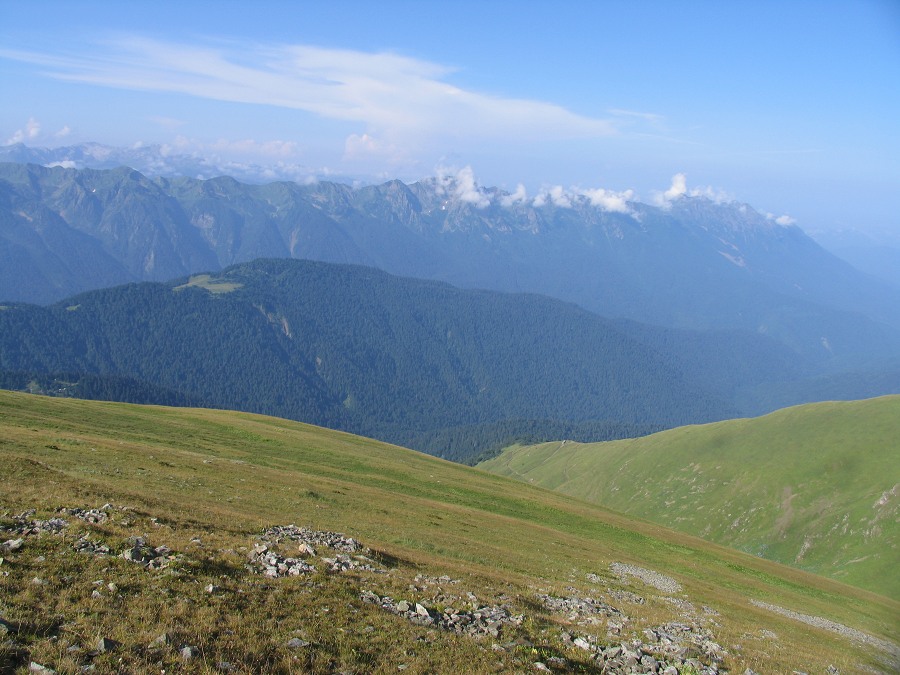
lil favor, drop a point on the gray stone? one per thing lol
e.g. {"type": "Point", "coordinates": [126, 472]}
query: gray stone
{"type": "Point", "coordinates": [35, 667]}
{"type": "Point", "coordinates": [160, 640]}
{"type": "Point", "coordinates": [297, 643]}
{"type": "Point", "coordinates": [106, 645]}
{"type": "Point", "coordinates": [649, 663]}
{"type": "Point", "coordinates": [583, 644]}
{"type": "Point", "coordinates": [189, 653]}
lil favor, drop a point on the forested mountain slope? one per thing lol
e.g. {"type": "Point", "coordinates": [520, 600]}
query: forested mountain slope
{"type": "Point", "coordinates": [405, 360]}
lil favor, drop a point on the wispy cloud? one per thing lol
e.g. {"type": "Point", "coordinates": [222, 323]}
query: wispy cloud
{"type": "Point", "coordinates": [399, 101]}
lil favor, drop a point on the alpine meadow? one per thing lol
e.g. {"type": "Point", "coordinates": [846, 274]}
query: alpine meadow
{"type": "Point", "coordinates": [353, 338]}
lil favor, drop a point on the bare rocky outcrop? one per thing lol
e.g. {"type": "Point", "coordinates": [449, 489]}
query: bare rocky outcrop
{"type": "Point", "coordinates": [481, 621]}
{"type": "Point", "coordinates": [266, 560]}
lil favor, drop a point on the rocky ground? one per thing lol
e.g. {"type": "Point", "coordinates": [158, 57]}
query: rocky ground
{"type": "Point", "coordinates": [594, 631]}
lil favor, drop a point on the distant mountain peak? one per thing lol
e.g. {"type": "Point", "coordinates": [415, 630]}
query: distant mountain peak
{"type": "Point", "coordinates": [697, 261]}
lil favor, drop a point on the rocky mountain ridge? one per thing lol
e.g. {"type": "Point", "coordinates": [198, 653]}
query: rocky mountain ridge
{"type": "Point", "coordinates": [690, 262]}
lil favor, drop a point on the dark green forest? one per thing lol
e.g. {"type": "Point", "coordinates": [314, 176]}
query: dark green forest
{"type": "Point", "coordinates": [456, 373]}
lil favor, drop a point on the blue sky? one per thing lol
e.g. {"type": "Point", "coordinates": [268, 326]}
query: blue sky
{"type": "Point", "coordinates": [793, 107]}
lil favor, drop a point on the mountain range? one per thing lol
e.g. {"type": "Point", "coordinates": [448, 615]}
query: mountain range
{"type": "Point", "coordinates": [691, 262]}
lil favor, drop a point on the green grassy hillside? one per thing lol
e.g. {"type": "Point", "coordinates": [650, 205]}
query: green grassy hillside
{"type": "Point", "coordinates": [815, 486]}
{"type": "Point", "coordinates": [209, 484]}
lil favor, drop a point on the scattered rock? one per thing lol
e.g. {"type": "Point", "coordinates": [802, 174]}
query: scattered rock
{"type": "Point", "coordinates": [35, 667]}
{"type": "Point", "coordinates": [141, 552]}
{"type": "Point", "coordinates": [649, 577]}
{"type": "Point", "coordinates": [424, 580]}
{"type": "Point", "coordinates": [269, 563]}
{"type": "Point", "coordinates": [25, 526]}
{"type": "Point", "coordinates": [580, 610]}
{"type": "Point", "coordinates": [332, 540]}
{"type": "Point", "coordinates": [481, 621]}
{"type": "Point", "coordinates": [85, 545]}
{"type": "Point", "coordinates": [891, 648]}
{"type": "Point", "coordinates": [93, 516]}
{"type": "Point", "coordinates": [297, 643]}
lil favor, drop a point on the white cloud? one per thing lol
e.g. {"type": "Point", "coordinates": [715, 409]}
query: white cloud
{"type": "Point", "coordinates": [713, 194]}
{"type": "Point", "coordinates": [679, 189]}
{"type": "Point", "coordinates": [65, 164]}
{"type": "Point", "coordinates": [460, 184]}
{"type": "Point", "coordinates": [33, 128]}
{"type": "Point", "coordinates": [406, 102]}
{"type": "Point", "coordinates": [608, 200]}
{"type": "Point", "coordinates": [784, 221]}
{"type": "Point", "coordinates": [65, 131]}
{"type": "Point", "coordinates": [520, 195]}
{"type": "Point", "coordinates": [31, 131]}
{"type": "Point", "coordinates": [555, 195]}
{"type": "Point", "coordinates": [468, 191]}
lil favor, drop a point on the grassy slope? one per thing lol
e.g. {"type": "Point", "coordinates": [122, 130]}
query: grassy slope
{"type": "Point", "coordinates": [223, 477]}
{"type": "Point", "coordinates": [814, 486]}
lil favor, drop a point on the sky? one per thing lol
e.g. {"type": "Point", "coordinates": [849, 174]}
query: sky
{"type": "Point", "coordinates": [793, 107]}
